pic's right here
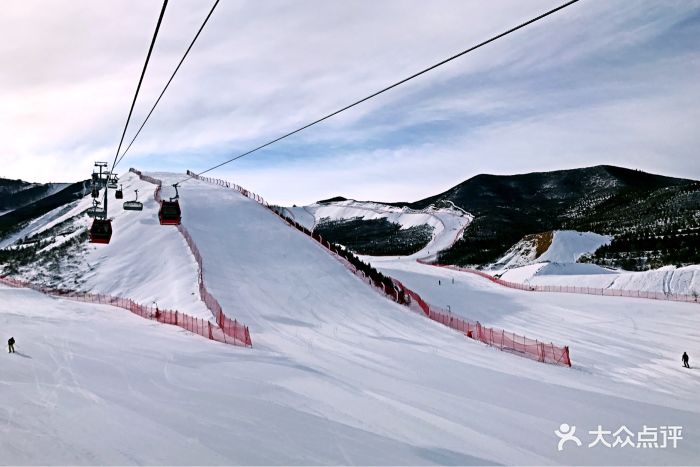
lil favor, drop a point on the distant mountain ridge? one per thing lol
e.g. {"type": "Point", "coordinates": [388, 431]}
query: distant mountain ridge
{"type": "Point", "coordinates": [17, 193]}
{"type": "Point", "coordinates": [655, 219]}
{"type": "Point", "coordinates": [20, 202]}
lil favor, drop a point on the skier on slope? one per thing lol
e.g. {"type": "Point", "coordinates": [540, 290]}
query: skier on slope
{"type": "Point", "coordinates": [685, 359]}
{"type": "Point", "coordinates": [11, 345]}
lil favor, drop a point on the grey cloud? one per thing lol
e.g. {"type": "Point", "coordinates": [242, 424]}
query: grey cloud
{"type": "Point", "coordinates": [262, 68]}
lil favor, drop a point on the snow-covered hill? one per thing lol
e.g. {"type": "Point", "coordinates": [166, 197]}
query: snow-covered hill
{"type": "Point", "coordinates": [15, 193]}
{"type": "Point", "coordinates": [144, 261]}
{"type": "Point", "coordinates": [447, 223]}
{"type": "Point", "coordinates": [338, 374]}
{"type": "Point", "coordinates": [559, 246]}
{"type": "Point", "coordinates": [557, 266]}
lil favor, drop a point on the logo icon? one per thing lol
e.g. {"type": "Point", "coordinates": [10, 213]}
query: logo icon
{"type": "Point", "coordinates": [566, 433]}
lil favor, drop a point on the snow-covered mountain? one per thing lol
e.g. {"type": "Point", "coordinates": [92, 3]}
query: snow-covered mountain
{"type": "Point", "coordinates": [25, 203]}
{"type": "Point", "coordinates": [655, 219]}
{"type": "Point", "coordinates": [338, 374]}
{"type": "Point", "coordinates": [17, 193]}
{"type": "Point", "coordinates": [650, 220]}
{"type": "Point", "coordinates": [382, 229]}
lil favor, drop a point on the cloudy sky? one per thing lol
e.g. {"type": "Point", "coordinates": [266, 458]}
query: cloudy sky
{"type": "Point", "coordinates": [601, 82]}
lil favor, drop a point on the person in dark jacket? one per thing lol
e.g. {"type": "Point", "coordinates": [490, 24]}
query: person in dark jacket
{"type": "Point", "coordinates": [685, 359]}
{"type": "Point", "coordinates": [11, 345]}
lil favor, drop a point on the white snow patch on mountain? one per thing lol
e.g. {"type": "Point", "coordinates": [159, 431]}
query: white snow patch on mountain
{"type": "Point", "coordinates": [569, 245]}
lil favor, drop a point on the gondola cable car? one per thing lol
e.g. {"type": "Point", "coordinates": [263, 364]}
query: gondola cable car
{"type": "Point", "coordinates": [119, 194]}
{"type": "Point", "coordinates": [169, 212]}
{"type": "Point", "coordinates": [101, 228]}
{"type": "Point", "coordinates": [100, 231]}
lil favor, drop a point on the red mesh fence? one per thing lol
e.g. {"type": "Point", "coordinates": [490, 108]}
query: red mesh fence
{"type": "Point", "coordinates": [190, 323]}
{"type": "Point", "coordinates": [232, 330]}
{"type": "Point", "coordinates": [519, 345]}
{"type": "Point", "coordinates": [574, 289]}
{"type": "Point", "coordinates": [508, 341]}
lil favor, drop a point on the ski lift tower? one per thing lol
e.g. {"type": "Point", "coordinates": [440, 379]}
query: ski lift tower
{"type": "Point", "coordinates": [97, 176]}
{"type": "Point", "coordinates": [101, 229]}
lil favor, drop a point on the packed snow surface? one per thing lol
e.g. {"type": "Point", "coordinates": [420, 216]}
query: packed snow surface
{"type": "Point", "coordinates": [338, 374]}
{"type": "Point", "coordinates": [668, 279]}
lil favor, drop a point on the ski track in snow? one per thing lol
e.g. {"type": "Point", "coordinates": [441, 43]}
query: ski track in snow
{"type": "Point", "coordinates": [338, 374]}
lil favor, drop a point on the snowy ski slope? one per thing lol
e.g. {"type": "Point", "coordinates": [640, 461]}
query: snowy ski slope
{"type": "Point", "coordinates": [338, 374]}
{"type": "Point", "coordinates": [144, 261]}
{"type": "Point", "coordinates": [668, 279]}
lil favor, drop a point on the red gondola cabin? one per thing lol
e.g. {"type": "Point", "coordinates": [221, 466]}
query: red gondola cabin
{"type": "Point", "coordinates": [101, 231]}
{"type": "Point", "coordinates": [169, 213]}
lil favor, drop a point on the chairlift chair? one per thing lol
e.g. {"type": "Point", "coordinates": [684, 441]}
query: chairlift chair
{"type": "Point", "coordinates": [119, 194]}
{"type": "Point", "coordinates": [96, 210]}
{"type": "Point", "coordinates": [112, 182]}
{"type": "Point", "coordinates": [169, 212]}
{"type": "Point", "coordinates": [95, 192]}
{"type": "Point", "coordinates": [135, 205]}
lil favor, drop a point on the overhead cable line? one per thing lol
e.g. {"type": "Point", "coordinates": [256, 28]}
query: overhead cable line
{"type": "Point", "coordinates": [169, 81]}
{"type": "Point", "coordinates": [143, 72]}
{"type": "Point", "coordinates": [398, 83]}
